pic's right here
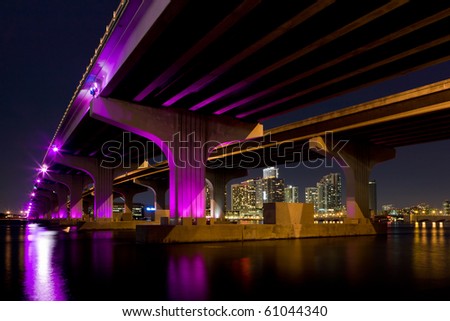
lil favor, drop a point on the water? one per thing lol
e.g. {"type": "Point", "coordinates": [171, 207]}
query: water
{"type": "Point", "coordinates": [37, 263]}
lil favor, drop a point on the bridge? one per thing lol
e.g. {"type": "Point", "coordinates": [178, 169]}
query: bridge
{"type": "Point", "coordinates": [192, 88]}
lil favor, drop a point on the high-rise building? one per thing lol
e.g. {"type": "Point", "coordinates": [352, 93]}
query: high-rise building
{"type": "Point", "coordinates": [259, 191]}
{"type": "Point", "coordinates": [272, 190]}
{"type": "Point", "coordinates": [270, 172]}
{"type": "Point", "coordinates": [373, 197]}
{"type": "Point", "coordinates": [327, 195]}
{"type": "Point", "coordinates": [291, 194]}
{"type": "Point", "coordinates": [243, 196]}
{"type": "Point", "coordinates": [253, 193]}
{"type": "Point", "coordinates": [330, 192]}
{"type": "Point", "coordinates": [311, 197]}
{"type": "Point", "coordinates": [237, 197]}
{"type": "Point", "coordinates": [446, 207]}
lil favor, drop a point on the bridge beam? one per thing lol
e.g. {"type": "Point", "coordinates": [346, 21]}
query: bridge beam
{"type": "Point", "coordinates": [356, 160]}
{"type": "Point", "coordinates": [185, 137]}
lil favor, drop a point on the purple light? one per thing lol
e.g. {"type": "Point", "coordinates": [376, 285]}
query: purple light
{"type": "Point", "coordinates": [44, 169]}
{"type": "Point", "coordinates": [33, 194]}
{"type": "Point", "coordinates": [94, 90]}
{"type": "Point", "coordinates": [43, 280]}
{"type": "Point", "coordinates": [38, 180]}
{"type": "Point", "coordinates": [187, 278]}
{"type": "Point", "coordinates": [55, 148]}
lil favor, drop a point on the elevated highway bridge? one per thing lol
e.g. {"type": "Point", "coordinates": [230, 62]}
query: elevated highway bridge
{"type": "Point", "coordinates": [175, 75]}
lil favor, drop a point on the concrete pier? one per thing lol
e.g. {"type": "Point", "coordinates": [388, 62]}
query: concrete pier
{"type": "Point", "coordinates": [284, 221]}
{"type": "Point", "coordinates": [250, 232]}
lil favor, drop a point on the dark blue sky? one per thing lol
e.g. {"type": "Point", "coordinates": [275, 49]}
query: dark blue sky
{"type": "Point", "coordinates": [45, 49]}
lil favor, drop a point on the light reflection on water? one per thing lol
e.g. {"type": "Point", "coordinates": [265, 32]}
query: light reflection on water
{"type": "Point", "coordinates": [43, 278]}
{"type": "Point", "coordinates": [187, 278]}
{"type": "Point", "coordinates": [42, 264]}
{"type": "Point", "coordinates": [429, 255]}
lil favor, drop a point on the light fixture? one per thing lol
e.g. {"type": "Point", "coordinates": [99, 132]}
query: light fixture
{"type": "Point", "coordinates": [44, 169]}
{"type": "Point", "coordinates": [94, 90]}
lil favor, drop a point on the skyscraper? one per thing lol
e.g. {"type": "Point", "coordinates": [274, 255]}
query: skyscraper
{"type": "Point", "coordinates": [270, 172]}
{"type": "Point", "coordinates": [327, 195]}
{"type": "Point", "coordinates": [291, 194]}
{"type": "Point", "coordinates": [253, 193]}
{"type": "Point", "coordinates": [446, 207]}
{"type": "Point", "coordinates": [311, 197]}
{"type": "Point", "coordinates": [243, 196]}
{"type": "Point", "coordinates": [273, 190]}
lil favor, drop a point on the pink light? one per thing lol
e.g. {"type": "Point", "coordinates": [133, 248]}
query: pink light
{"type": "Point", "coordinates": [44, 169]}
{"type": "Point", "coordinates": [55, 148]}
{"type": "Point", "coordinates": [38, 180]}
{"type": "Point", "coordinates": [33, 194]}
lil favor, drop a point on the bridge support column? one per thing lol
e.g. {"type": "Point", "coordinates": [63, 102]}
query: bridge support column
{"type": "Point", "coordinates": [41, 206]}
{"type": "Point", "coordinates": [103, 195]}
{"type": "Point", "coordinates": [160, 196]}
{"type": "Point", "coordinates": [75, 184]}
{"type": "Point", "coordinates": [60, 211]}
{"type": "Point", "coordinates": [219, 178]}
{"type": "Point", "coordinates": [185, 137]}
{"type": "Point", "coordinates": [102, 177]}
{"type": "Point", "coordinates": [356, 160]}
{"type": "Point", "coordinates": [62, 194]}
{"type": "Point", "coordinates": [49, 203]}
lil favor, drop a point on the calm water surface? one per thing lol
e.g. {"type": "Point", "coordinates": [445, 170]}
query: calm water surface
{"type": "Point", "coordinates": [37, 263]}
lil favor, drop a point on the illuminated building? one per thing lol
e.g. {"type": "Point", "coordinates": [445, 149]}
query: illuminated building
{"type": "Point", "coordinates": [270, 172]}
{"type": "Point", "coordinates": [137, 210]}
{"type": "Point", "coordinates": [446, 207]}
{"type": "Point", "coordinates": [327, 195]}
{"type": "Point", "coordinates": [243, 196]}
{"type": "Point", "coordinates": [291, 194]}
{"type": "Point", "coordinates": [253, 193]}
{"type": "Point", "coordinates": [311, 197]}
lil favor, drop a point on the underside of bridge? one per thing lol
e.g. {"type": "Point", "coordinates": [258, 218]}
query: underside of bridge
{"type": "Point", "coordinates": [243, 61]}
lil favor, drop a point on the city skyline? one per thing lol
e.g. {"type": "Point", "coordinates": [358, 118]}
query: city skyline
{"type": "Point", "coordinates": [311, 180]}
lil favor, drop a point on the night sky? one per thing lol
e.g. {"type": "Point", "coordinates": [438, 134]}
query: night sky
{"type": "Point", "coordinates": [46, 47]}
